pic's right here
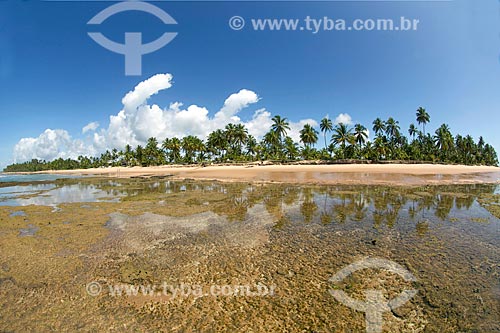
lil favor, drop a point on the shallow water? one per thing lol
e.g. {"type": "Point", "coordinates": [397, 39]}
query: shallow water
{"type": "Point", "coordinates": [21, 190]}
{"type": "Point", "coordinates": [51, 195]}
{"type": "Point", "coordinates": [8, 177]}
{"type": "Point", "coordinates": [291, 238]}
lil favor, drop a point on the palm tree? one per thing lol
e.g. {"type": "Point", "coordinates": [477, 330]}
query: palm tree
{"type": "Point", "coordinates": [308, 136]}
{"type": "Point", "coordinates": [412, 131]}
{"type": "Point", "coordinates": [190, 144]}
{"type": "Point", "coordinates": [139, 155]}
{"type": "Point", "coordinates": [291, 148]}
{"type": "Point", "coordinates": [380, 147]}
{"type": "Point", "coordinates": [128, 155]}
{"type": "Point", "coordinates": [443, 137]}
{"type": "Point", "coordinates": [199, 148]}
{"type": "Point", "coordinates": [392, 128]}
{"type": "Point", "coordinates": [280, 126]}
{"type": "Point", "coordinates": [470, 147]}
{"type": "Point", "coordinates": [360, 134]}
{"type": "Point", "coordinates": [240, 136]}
{"type": "Point", "coordinates": [175, 150]}
{"type": "Point", "coordinates": [235, 141]}
{"type": "Point", "coordinates": [152, 153]}
{"type": "Point", "coordinates": [342, 135]}
{"type": "Point", "coordinates": [272, 142]}
{"type": "Point", "coordinates": [423, 117]}
{"type": "Point", "coordinates": [443, 140]}
{"type": "Point", "coordinates": [229, 131]}
{"type": "Point", "coordinates": [378, 126]}
{"type": "Point", "coordinates": [326, 126]}
{"type": "Point", "coordinates": [217, 142]}
{"type": "Point", "coordinates": [251, 146]}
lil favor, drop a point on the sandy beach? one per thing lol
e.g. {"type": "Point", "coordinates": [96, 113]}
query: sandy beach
{"type": "Point", "coordinates": [386, 174]}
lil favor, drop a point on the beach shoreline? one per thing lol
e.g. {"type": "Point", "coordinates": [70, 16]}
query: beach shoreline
{"type": "Point", "coordinates": [331, 174]}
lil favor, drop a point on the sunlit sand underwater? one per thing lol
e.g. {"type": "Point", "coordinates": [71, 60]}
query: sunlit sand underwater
{"type": "Point", "coordinates": [59, 237]}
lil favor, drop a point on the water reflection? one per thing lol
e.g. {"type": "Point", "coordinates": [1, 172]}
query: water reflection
{"type": "Point", "coordinates": [15, 191]}
{"type": "Point", "coordinates": [48, 195]}
{"type": "Point", "coordinates": [385, 207]}
{"type": "Point", "coordinates": [29, 231]}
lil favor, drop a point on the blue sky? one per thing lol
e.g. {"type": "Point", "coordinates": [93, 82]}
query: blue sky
{"type": "Point", "coordinates": [53, 76]}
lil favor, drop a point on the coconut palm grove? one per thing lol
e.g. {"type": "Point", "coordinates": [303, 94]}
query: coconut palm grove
{"type": "Point", "coordinates": [342, 142]}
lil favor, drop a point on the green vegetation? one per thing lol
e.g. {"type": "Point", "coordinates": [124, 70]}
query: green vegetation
{"type": "Point", "coordinates": [234, 144]}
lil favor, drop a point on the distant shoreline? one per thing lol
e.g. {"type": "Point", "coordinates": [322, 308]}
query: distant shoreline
{"type": "Point", "coordinates": [331, 174]}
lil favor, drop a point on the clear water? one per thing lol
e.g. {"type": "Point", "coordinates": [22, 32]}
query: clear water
{"type": "Point", "coordinates": [6, 177]}
{"type": "Point", "coordinates": [50, 195]}
{"type": "Point", "coordinates": [293, 237]}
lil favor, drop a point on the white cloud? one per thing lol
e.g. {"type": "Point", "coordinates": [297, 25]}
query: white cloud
{"type": "Point", "coordinates": [343, 118]}
{"type": "Point", "coordinates": [146, 89]}
{"type": "Point", "coordinates": [138, 121]}
{"type": "Point", "coordinates": [367, 135]}
{"type": "Point", "coordinates": [90, 127]}
{"type": "Point", "coordinates": [296, 127]}
{"type": "Point", "coordinates": [49, 145]}
{"type": "Point", "coordinates": [235, 103]}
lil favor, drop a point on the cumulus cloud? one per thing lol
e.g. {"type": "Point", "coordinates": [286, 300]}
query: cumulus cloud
{"type": "Point", "coordinates": [146, 89]}
{"type": "Point", "coordinates": [49, 145]}
{"type": "Point", "coordinates": [296, 127]}
{"type": "Point", "coordinates": [235, 103]}
{"type": "Point", "coordinates": [138, 121]}
{"type": "Point", "coordinates": [90, 127]}
{"type": "Point", "coordinates": [343, 118]}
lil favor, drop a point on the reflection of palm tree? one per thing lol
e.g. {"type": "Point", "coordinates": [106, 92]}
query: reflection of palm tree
{"type": "Point", "coordinates": [359, 208]}
{"type": "Point", "coordinates": [391, 216]}
{"type": "Point", "coordinates": [422, 228]}
{"type": "Point", "coordinates": [339, 211]}
{"type": "Point", "coordinates": [282, 222]}
{"type": "Point", "coordinates": [444, 204]}
{"type": "Point", "coordinates": [308, 206]}
{"type": "Point", "coordinates": [238, 208]}
{"type": "Point", "coordinates": [378, 218]}
{"type": "Point", "coordinates": [291, 195]}
{"type": "Point", "coordinates": [412, 212]}
{"type": "Point", "coordinates": [326, 218]}
{"type": "Point", "coordinates": [465, 202]}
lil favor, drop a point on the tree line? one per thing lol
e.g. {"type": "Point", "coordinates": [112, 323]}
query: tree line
{"type": "Point", "coordinates": [342, 141]}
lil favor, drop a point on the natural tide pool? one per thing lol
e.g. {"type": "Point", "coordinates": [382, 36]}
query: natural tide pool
{"type": "Point", "coordinates": [62, 269]}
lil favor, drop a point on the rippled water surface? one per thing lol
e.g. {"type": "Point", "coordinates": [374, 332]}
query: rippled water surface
{"type": "Point", "coordinates": [156, 232]}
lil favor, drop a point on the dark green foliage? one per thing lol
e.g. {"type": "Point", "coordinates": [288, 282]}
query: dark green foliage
{"type": "Point", "coordinates": [234, 144]}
